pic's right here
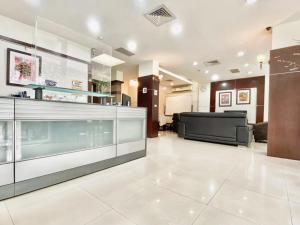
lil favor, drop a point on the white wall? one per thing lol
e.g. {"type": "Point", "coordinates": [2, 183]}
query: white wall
{"type": "Point", "coordinates": [204, 98]}
{"type": "Point", "coordinates": [286, 34]}
{"type": "Point", "coordinates": [53, 67]}
{"type": "Point", "coordinates": [251, 108]}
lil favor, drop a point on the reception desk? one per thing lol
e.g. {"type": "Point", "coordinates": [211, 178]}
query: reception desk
{"type": "Point", "coordinates": [44, 143]}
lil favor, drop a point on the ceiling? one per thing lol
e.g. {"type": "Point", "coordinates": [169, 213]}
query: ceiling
{"type": "Point", "coordinates": [211, 29]}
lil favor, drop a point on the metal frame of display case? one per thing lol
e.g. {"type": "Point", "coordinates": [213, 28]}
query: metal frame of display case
{"type": "Point", "coordinates": [34, 173]}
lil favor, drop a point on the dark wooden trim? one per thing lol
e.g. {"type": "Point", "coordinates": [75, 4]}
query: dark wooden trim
{"type": "Point", "coordinates": [243, 83]}
{"type": "Point", "coordinates": [243, 89]}
{"type": "Point", "coordinates": [226, 92]}
{"type": "Point", "coordinates": [28, 45]}
{"type": "Point", "coordinates": [9, 50]}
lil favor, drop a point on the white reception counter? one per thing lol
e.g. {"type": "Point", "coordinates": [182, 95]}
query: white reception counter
{"type": "Point", "coordinates": [44, 143]}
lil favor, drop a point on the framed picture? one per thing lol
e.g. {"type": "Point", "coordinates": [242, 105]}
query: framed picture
{"type": "Point", "coordinates": [22, 68]}
{"type": "Point", "coordinates": [225, 99]}
{"type": "Point", "coordinates": [243, 97]}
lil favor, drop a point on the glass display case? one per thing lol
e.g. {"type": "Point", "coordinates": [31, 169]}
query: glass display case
{"type": "Point", "coordinates": [6, 142]}
{"type": "Point", "coordinates": [130, 130]}
{"type": "Point", "coordinates": [35, 139]}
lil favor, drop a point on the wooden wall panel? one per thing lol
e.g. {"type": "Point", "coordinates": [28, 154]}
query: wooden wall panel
{"type": "Point", "coordinates": [251, 82]}
{"type": "Point", "coordinates": [284, 105]}
{"type": "Point", "coordinates": [151, 102]}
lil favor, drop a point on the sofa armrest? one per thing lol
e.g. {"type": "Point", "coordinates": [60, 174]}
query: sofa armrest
{"type": "Point", "coordinates": [181, 129]}
{"type": "Point", "coordinates": [244, 135]}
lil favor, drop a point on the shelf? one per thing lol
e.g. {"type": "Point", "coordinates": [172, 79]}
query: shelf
{"type": "Point", "coordinates": [67, 90]}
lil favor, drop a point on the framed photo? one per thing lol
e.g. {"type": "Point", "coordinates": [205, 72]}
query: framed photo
{"type": "Point", "coordinates": [22, 68]}
{"type": "Point", "coordinates": [225, 99]}
{"type": "Point", "coordinates": [243, 97]}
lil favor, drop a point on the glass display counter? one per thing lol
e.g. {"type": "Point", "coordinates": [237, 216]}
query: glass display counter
{"type": "Point", "coordinates": [46, 143]}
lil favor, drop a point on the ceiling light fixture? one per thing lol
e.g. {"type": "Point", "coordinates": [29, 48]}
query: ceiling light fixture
{"type": "Point", "coordinates": [172, 84]}
{"type": "Point", "coordinates": [261, 59]}
{"type": "Point", "coordinates": [93, 25]}
{"type": "Point", "coordinates": [176, 29]}
{"type": "Point", "coordinates": [132, 46]}
{"type": "Point", "coordinates": [224, 84]}
{"type": "Point", "coordinates": [175, 75]}
{"type": "Point", "coordinates": [34, 3]}
{"type": "Point", "coordinates": [240, 53]}
{"type": "Point", "coordinates": [133, 83]}
{"type": "Point", "coordinates": [251, 2]}
{"type": "Point", "coordinates": [107, 60]}
{"type": "Point", "coordinates": [206, 71]}
{"type": "Point", "coordinates": [246, 65]}
{"type": "Point", "coordinates": [195, 63]}
{"type": "Point", "coordinates": [215, 77]}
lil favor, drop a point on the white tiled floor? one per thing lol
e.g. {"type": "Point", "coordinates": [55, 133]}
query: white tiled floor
{"type": "Point", "coordinates": [180, 182]}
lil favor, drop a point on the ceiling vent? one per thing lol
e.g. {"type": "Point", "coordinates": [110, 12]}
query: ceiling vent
{"type": "Point", "coordinates": [235, 71]}
{"type": "Point", "coordinates": [160, 15]}
{"type": "Point", "coordinates": [212, 63]}
{"type": "Point", "coordinates": [124, 51]}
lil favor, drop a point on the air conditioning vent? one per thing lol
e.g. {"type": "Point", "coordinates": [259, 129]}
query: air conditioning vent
{"type": "Point", "coordinates": [124, 51]}
{"type": "Point", "coordinates": [235, 71]}
{"type": "Point", "coordinates": [182, 88]}
{"type": "Point", "coordinates": [160, 15]}
{"type": "Point", "coordinates": [212, 63]}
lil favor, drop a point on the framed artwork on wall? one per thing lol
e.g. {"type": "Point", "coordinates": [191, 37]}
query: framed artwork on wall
{"type": "Point", "coordinates": [22, 68]}
{"type": "Point", "coordinates": [225, 99]}
{"type": "Point", "coordinates": [243, 97]}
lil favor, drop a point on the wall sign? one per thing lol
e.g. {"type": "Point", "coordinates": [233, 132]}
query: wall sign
{"type": "Point", "coordinates": [145, 90]}
{"type": "Point", "coordinates": [155, 92]}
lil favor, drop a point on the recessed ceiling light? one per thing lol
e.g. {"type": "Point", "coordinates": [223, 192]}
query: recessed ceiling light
{"type": "Point", "coordinates": [215, 77]}
{"type": "Point", "coordinates": [240, 53]}
{"type": "Point", "coordinates": [107, 60]}
{"type": "Point", "coordinates": [246, 65]}
{"type": "Point", "coordinates": [250, 73]}
{"type": "Point", "coordinates": [132, 46]}
{"type": "Point", "coordinates": [206, 71]}
{"type": "Point", "coordinates": [195, 63]}
{"type": "Point", "coordinates": [93, 25]}
{"type": "Point", "coordinates": [251, 2]}
{"type": "Point", "coordinates": [176, 29]}
{"type": "Point", "coordinates": [172, 84]}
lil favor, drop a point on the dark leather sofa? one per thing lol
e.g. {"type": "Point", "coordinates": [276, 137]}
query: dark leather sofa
{"type": "Point", "coordinates": [226, 128]}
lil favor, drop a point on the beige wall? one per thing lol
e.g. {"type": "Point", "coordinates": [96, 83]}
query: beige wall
{"type": "Point", "coordinates": [130, 72]}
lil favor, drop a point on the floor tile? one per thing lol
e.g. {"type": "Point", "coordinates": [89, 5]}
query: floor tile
{"type": "Point", "coordinates": [4, 215]}
{"type": "Point", "coordinates": [258, 208]}
{"type": "Point", "coordinates": [200, 187]}
{"type": "Point", "coordinates": [72, 206]}
{"type": "Point", "coordinates": [157, 206]}
{"type": "Point", "coordinates": [260, 177]}
{"type": "Point", "coordinates": [212, 216]}
{"type": "Point", "coordinates": [110, 218]}
{"type": "Point", "coordinates": [295, 208]}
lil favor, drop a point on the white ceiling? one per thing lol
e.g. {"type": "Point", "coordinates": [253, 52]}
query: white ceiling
{"type": "Point", "coordinates": [212, 29]}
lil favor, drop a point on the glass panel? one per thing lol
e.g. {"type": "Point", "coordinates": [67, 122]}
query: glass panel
{"type": "Point", "coordinates": [6, 141]}
{"type": "Point", "coordinates": [46, 138]}
{"type": "Point", "coordinates": [130, 130]}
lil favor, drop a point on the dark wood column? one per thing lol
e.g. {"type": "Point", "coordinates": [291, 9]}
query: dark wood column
{"type": "Point", "coordinates": [284, 105]}
{"type": "Point", "coordinates": [148, 96]}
